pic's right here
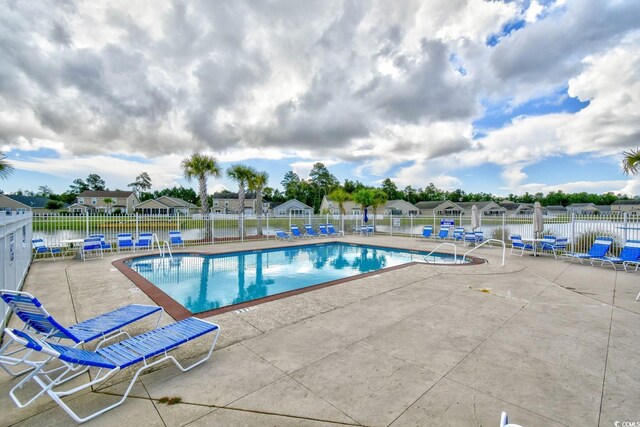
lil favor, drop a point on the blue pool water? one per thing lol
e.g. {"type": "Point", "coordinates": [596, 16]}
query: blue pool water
{"type": "Point", "coordinates": [206, 282]}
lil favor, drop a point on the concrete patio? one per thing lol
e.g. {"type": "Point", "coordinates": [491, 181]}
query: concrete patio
{"type": "Point", "coordinates": [551, 343]}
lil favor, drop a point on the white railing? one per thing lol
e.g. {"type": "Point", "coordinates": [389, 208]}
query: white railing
{"type": "Point", "coordinates": [15, 252]}
{"type": "Point", "coordinates": [455, 251]}
{"type": "Point", "coordinates": [504, 249]}
{"type": "Point", "coordinates": [580, 230]}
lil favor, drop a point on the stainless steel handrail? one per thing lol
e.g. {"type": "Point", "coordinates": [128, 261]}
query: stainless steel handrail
{"type": "Point", "coordinates": [455, 251]}
{"type": "Point", "coordinates": [504, 249]}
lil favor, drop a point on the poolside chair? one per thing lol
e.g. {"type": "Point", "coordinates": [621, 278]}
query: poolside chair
{"type": "Point", "coordinates": [427, 230]}
{"type": "Point", "coordinates": [145, 240]}
{"type": "Point", "coordinates": [40, 248]}
{"type": "Point", "coordinates": [332, 231]}
{"type": "Point", "coordinates": [108, 361]}
{"type": "Point", "coordinates": [443, 234]}
{"type": "Point", "coordinates": [38, 320]}
{"type": "Point", "coordinates": [281, 235]}
{"type": "Point", "coordinates": [458, 234]}
{"type": "Point", "coordinates": [470, 237]}
{"type": "Point", "coordinates": [598, 250]}
{"type": "Point", "coordinates": [295, 232]}
{"type": "Point", "coordinates": [309, 231]}
{"type": "Point", "coordinates": [175, 238]}
{"type": "Point", "coordinates": [103, 243]}
{"type": "Point", "coordinates": [504, 421]}
{"type": "Point", "coordinates": [125, 240]}
{"type": "Point", "coordinates": [479, 237]}
{"type": "Point", "coordinates": [91, 245]}
{"type": "Point", "coordinates": [322, 228]}
{"type": "Point", "coordinates": [555, 246]}
{"type": "Point", "coordinates": [630, 254]}
{"type": "Point", "coordinates": [518, 244]}
{"type": "Point", "coordinates": [369, 230]}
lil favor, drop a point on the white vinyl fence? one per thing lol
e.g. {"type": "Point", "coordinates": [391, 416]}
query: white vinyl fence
{"type": "Point", "coordinates": [15, 252]}
{"type": "Point", "coordinates": [581, 230]}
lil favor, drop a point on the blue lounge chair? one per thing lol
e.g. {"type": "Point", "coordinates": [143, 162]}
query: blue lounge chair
{"type": "Point", "coordinates": [38, 320]}
{"type": "Point", "coordinates": [145, 241]}
{"type": "Point", "coordinates": [175, 238]}
{"type": "Point", "coordinates": [332, 231]}
{"type": "Point", "coordinates": [470, 237]}
{"type": "Point", "coordinates": [309, 231]}
{"type": "Point", "coordinates": [40, 248]}
{"type": "Point", "coordinates": [630, 254]}
{"type": "Point", "coordinates": [103, 243]}
{"type": "Point", "coordinates": [598, 250]}
{"type": "Point", "coordinates": [553, 244]}
{"type": "Point", "coordinates": [295, 232]}
{"type": "Point", "coordinates": [443, 233]}
{"type": "Point", "coordinates": [281, 235]}
{"type": "Point", "coordinates": [92, 245]}
{"type": "Point", "coordinates": [458, 234]}
{"type": "Point", "coordinates": [518, 244]}
{"type": "Point", "coordinates": [322, 228]}
{"type": "Point", "coordinates": [427, 230]}
{"type": "Point", "coordinates": [125, 240]}
{"type": "Point", "coordinates": [479, 237]}
{"type": "Point", "coordinates": [108, 360]}
{"type": "Point", "coordinates": [504, 421]}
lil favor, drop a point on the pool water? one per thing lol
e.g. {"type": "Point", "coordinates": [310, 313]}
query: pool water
{"type": "Point", "coordinates": [207, 282]}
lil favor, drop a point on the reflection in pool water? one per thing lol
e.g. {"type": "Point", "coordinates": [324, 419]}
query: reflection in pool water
{"type": "Point", "coordinates": [206, 282]}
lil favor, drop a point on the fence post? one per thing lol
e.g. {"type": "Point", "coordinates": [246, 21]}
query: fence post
{"type": "Point", "coordinates": [87, 223]}
{"type": "Point", "coordinates": [504, 231]}
{"type": "Point", "coordinates": [289, 221]}
{"type": "Point", "coordinates": [411, 224]}
{"type": "Point", "coordinates": [573, 231]}
{"type": "Point", "coordinates": [213, 228]}
{"type": "Point", "coordinates": [137, 225]}
{"type": "Point", "coordinates": [267, 233]}
{"type": "Point", "coordinates": [241, 219]}
{"type": "Point", "coordinates": [625, 225]}
{"type": "Point", "coordinates": [390, 224]}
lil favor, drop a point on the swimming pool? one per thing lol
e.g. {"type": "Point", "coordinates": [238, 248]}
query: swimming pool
{"type": "Point", "coordinates": [201, 283]}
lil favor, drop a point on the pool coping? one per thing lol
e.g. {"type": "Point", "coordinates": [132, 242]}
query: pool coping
{"type": "Point", "coordinates": [178, 312]}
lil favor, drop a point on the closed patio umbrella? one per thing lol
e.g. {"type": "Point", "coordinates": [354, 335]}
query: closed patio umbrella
{"type": "Point", "coordinates": [538, 223]}
{"type": "Point", "coordinates": [475, 218]}
{"type": "Point", "coordinates": [366, 218]}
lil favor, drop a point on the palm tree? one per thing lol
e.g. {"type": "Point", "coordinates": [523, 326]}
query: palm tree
{"type": "Point", "coordinates": [201, 167]}
{"type": "Point", "coordinates": [340, 196]}
{"type": "Point", "coordinates": [631, 161]}
{"type": "Point", "coordinates": [257, 184]}
{"type": "Point", "coordinates": [5, 168]}
{"type": "Point", "coordinates": [242, 175]}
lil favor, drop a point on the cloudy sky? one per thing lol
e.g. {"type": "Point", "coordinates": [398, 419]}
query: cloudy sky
{"type": "Point", "coordinates": [493, 96]}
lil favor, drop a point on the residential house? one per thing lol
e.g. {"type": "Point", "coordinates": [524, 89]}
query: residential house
{"type": "Point", "coordinates": [484, 208]}
{"type": "Point", "coordinates": [630, 206]}
{"type": "Point", "coordinates": [583, 209]}
{"type": "Point", "coordinates": [10, 206]}
{"type": "Point", "coordinates": [165, 205]}
{"type": "Point", "coordinates": [38, 205]}
{"type": "Point", "coordinates": [439, 208]}
{"type": "Point", "coordinates": [94, 202]}
{"type": "Point", "coordinates": [604, 209]}
{"type": "Point", "coordinates": [517, 209]}
{"type": "Point", "coordinates": [227, 203]}
{"type": "Point", "coordinates": [399, 208]}
{"type": "Point", "coordinates": [554, 210]}
{"type": "Point", "coordinates": [330, 206]}
{"type": "Point", "coordinates": [293, 207]}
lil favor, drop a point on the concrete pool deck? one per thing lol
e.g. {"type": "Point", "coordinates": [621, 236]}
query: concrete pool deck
{"type": "Point", "coordinates": [552, 343]}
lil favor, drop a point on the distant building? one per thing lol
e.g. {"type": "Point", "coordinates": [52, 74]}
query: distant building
{"type": "Point", "coordinates": [94, 202]}
{"type": "Point", "coordinates": [582, 209]}
{"type": "Point", "coordinates": [227, 203]}
{"type": "Point", "coordinates": [484, 208]}
{"type": "Point", "coordinates": [165, 205]}
{"type": "Point", "coordinates": [439, 208]}
{"type": "Point", "coordinates": [630, 206]}
{"type": "Point", "coordinates": [293, 208]}
{"type": "Point", "coordinates": [400, 208]}
{"type": "Point", "coordinates": [554, 210]}
{"type": "Point", "coordinates": [38, 205]}
{"type": "Point", "coordinates": [10, 206]}
{"type": "Point", "coordinates": [517, 209]}
{"type": "Point", "coordinates": [330, 206]}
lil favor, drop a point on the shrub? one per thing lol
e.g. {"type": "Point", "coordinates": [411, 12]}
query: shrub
{"type": "Point", "coordinates": [584, 240]}
{"type": "Point", "coordinates": [497, 233]}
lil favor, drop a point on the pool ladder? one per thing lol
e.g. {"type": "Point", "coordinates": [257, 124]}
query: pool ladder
{"type": "Point", "coordinates": [455, 250]}
{"type": "Point", "coordinates": [163, 249]}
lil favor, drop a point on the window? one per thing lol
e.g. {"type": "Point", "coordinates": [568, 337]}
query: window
{"type": "Point", "coordinates": [21, 210]}
{"type": "Point", "coordinates": [81, 200]}
{"type": "Point", "coordinates": [94, 200]}
{"type": "Point", "coordinates": [226, 203]}
{"type": "Point", "coordinates": [114, 201]}
{"type": "Point", "coordinates": [215, 203]}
